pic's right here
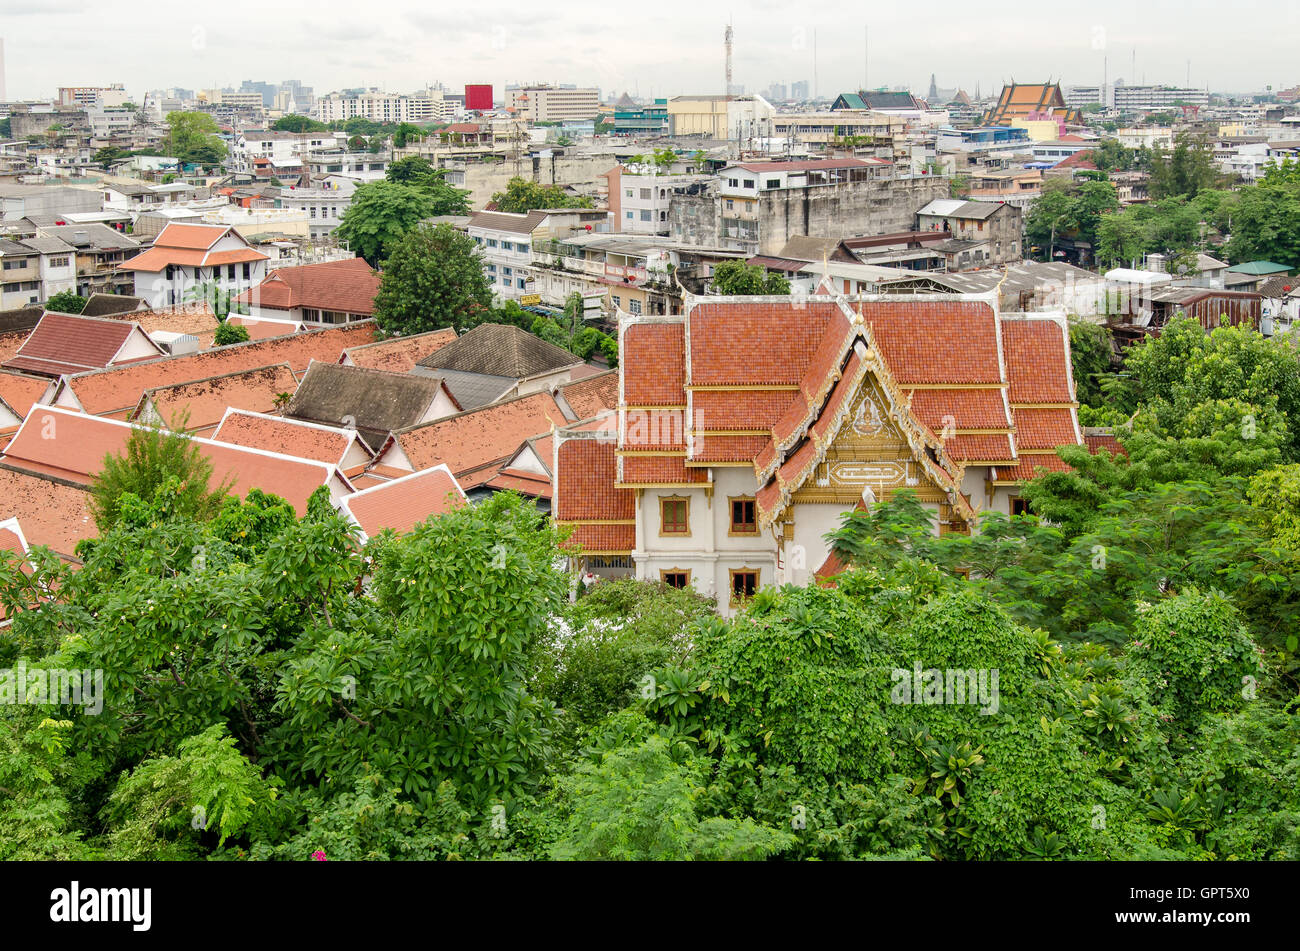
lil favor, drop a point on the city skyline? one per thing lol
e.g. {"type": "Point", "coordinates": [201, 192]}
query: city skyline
{"type": "Point", "coordinates": [401, 50]}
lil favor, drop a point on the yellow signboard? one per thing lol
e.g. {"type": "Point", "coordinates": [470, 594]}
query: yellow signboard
{"type": "Point", "coordinates": [528, 299]}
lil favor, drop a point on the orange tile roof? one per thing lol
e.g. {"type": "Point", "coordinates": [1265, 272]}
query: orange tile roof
{"type": "Point", "coordinates": [1028, 466]}
{"type": "Point", "coordinates": [655, 354]}
{"type": "Point", "coordinates": [758, 343]}
{"type": "Point", "coordinates": [51, 513]}
{"type": "Point", "coordinates": [592, 394]}
{"type": "Point", "coordinates": [603, 539]}
{"type": "Point", "coordinates": [193, 237]}
{"type": "Point", "coordinates": [398, 354]}
{"type": "Point", "coordinates": [1038, 360]}
{"type": "Point", "coordinates": [157, 259]}
{"type": "Point", "coordinates": [1098, 441]}
{"type": "Point", "coordinates": [11, 342]}
{"type": "Point", "coordinates": [1045, 428]}
{"type": "Point", "coordinates": [206, 401]}
{"type": "Point", "coordinates": [470, 441]}
{"type": "Point", "coordinates": [404, 503]}
{"type": "Point", "coordinates": [289, 436]}
{"type": "Point", "coordinates": [348, 286]}
{"type": "Point", "coordinates": [264, 329]}
{"type": "Point", "coordinates": [21, 392]}
{"type": "Point", "coordinates": [191, 246]}
{"type": "Point", "coordinates": [72, 446]}
{"type": "Point", "coordinates": [960, 409]}
{"type": "Point", "coordinates": [937, 341]}
{"type": "Point", "coordinates": [118, 389]}
{"type": "Point", "coordinates": [585, 490]}
{"type": "Point", "coordinates": [67, 343]}
{"type": "Point", "coordinates": [646, 470]}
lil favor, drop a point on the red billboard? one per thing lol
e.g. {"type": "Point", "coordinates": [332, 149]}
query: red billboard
{"type": "Point", "coordinates": [478, 98]}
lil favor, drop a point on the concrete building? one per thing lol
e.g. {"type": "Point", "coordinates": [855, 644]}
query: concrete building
{"type": "Point", "coordinates": [987, 233]}
{"type": "Point", "coordinates": [1130, 99]}
{"type": "Point", "coordinates": [23, 201]}
{"type": "Point", "coordinates": [428, 105]}
{"type": "Point", "coordinates": [756, 207]}
{"type": "Point", "coordinates": [721, 117]}
{"type": "Point", "coordinates": [108, 96]}
{"type": "Point", "coordinates": [34, 270]}
{"type": "Point", "coordinates": [323, 206]}
{"type": "Point", "coordinates": [639, 197]}
{"type": "Point", "coordinates": [507, 241]}
{"type": "Point", "coordinates": [553, 103]}
{"type": "Point", "coordinates": [285, 150]}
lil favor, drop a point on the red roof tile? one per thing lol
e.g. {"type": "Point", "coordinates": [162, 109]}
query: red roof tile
{"type": "Point", "coordinates": [398, 354]}
{"type": "Point", "coordinates": [348, 286]}
{"type": "Point", "coordinates": [118, 389]}
{"type": "Point", "coordinates": [21, 392]}
{"type": "Point", "coordinates": [51, 513]}
{"type": "Point", "coordinates": [404, 503]}
{"type": "Point", "coordinates": [1038, 360]}
{"type": "Point", "coordinates": [470, 441]}
{"type": "Point", "coordinates": [653, 355]}
{"type": "Point", "coordinates": [72, 446]}
{"type": "Point", "coordinates": [585, 490]}
{"type": "Point", "coordinates": [936, 341]}
{"type": "Point", "coordinates": [206, 401]}
{"type": "Point", "coordinates": [591, 395]}
{"type": "Point", "coordinates": [1045, 428]}
{"type": "Point", "coordinates": [289, 436]}
{"type": "Point", "coordinates": [65, 343]}
{"type": "Point", "coordinates": [603, 539]}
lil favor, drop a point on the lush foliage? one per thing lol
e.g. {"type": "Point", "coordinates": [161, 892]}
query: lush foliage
{"type": "Point", "coordinates": [522, 195]}
{"type": "Point", "coordinates": [737, 277]}
{"type": "Point", "coordinates": [66, 302]}
{"type": "Point", "coordinates": [192, 139]}
{"type": "Point", "coordinates": [228, 333]}
{"type": "Point", "coordinates": [433, 279]}
{"type": "Point", "coordinates": [381, 215]}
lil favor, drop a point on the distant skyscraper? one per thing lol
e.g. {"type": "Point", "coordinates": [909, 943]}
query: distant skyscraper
{"type": "Point", "coordinates": [799, 90]}
{"type": "Point", "coordinates": [933, 94]}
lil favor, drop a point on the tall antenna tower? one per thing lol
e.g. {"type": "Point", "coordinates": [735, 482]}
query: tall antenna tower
{"type": "Point", "coordinates": [726, 42]}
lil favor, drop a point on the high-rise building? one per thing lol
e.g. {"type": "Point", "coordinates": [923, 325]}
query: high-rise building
{"type": "Point", "coordinates": [1155, 98]}
{"type": "Point", "coordinates": [426, 106]}
{"type": "Point", "coordinates": [799, 90]}
{"type": "Point", "coordinates": [553, 103]}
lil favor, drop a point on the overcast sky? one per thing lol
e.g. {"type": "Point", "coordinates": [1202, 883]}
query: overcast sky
{"type": "Point", "coordinates": [664, 47]}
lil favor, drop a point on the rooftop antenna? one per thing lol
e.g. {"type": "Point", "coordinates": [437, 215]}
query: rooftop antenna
{"type": "Point", "coordinates": [726, 42]}
{"type": "Point", "coordinates": [814, 62]}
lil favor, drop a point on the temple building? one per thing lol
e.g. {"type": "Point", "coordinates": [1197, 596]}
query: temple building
{"type": "Point", "coordinates": [1032, 101]}
{"type": "Point", "coordinates": [748, 426]}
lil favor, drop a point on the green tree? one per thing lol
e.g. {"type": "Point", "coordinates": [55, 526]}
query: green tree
{"type": "Point", "coordinates": [406, 133]}
{"type": "Point", "coordinates": [228, 333]}
{"type": "Point", "coordinates": [1186, 170]}
{"type": "Point", "coordinates": [107, 156]}
{"type": "Point", "coordinates": [153, 459]}
{"type": "Point", "coordinates": [522, 195]}
{"type": "Point", "coordinates": [433, 279]}
{"type": "Point", "coordinates": [380, 215]}
{"type": "Point", "coordinates": [192, 139]}
{"type": "Point", "coordinates": [738, 278]}
{"type": "Point", "coordinates": [66, 302]}
{"type": "Point", "coordinates": [297, 123]}
{"type": "Point", "coordinates": [415, 171]}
